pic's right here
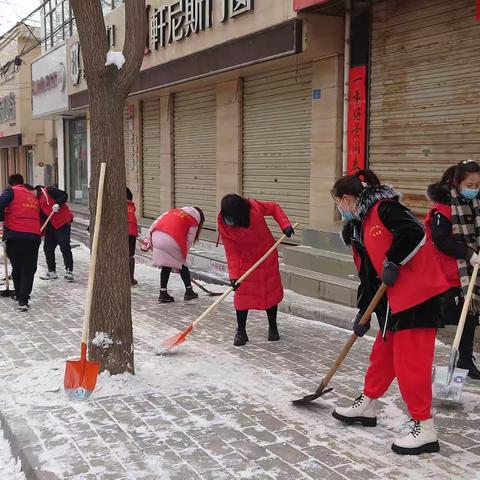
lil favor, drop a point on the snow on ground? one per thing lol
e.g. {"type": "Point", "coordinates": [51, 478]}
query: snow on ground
{"type": "Point", "coordinates": [9, 467]}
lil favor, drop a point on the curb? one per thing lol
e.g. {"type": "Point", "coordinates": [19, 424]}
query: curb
{"type": "Point", "coordinates": [22, 452]}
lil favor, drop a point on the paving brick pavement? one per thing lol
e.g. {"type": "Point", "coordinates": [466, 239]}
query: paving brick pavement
{"type": "Point", "coordinates": [207, 410]}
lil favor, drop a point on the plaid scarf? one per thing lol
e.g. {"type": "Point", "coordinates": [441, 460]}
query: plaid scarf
{"type": "Point", "coordinates": [466, 229]}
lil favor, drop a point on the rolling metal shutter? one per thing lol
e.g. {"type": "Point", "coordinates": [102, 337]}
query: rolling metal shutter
{"type": "Point", "coordinates": [276, 140]}
{"type": "Point", "coordinates": [151, 158]}
{"type": "Point", "coordinates": [195, 143]}
{"type": "Point", "coordinates": [424, 100]}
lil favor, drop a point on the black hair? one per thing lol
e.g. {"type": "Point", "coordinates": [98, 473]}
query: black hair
{"type": "Point", "coordinates": [200, 224]}
{"type": "Point", "coordinates": [354, 184]}
{"type": "Point", "coordinates": [29, 187]}
{"type": "Point", "coordinates": [15, 179]}
{"type": "Point", "coordinates": [236, 209]}
{"type": "Point", "coordinates": [129, 194]}
{"type": "Point", "coordinates": [456, 174]}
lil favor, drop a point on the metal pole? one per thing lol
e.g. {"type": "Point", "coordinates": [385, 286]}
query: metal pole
{"type": "Point", "coordinates": [346, 84]}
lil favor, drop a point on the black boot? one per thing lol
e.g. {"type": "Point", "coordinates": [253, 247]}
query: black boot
{"type": "Point", "coordinates": [133, 282]}
{"type": "Point", "coordinates": [241, 338]}
{"type": "Point", "coordinates": [165, 297]}
{"type": "Point", "coordinates": [466, 359]}
{"type": "Point", "coordinates": [273, 335]}
{"type": "Point", "coordinates": [190, 294]}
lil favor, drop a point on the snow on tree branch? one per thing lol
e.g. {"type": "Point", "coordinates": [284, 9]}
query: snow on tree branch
{"type": "Point", "coordinates": [115, 58]}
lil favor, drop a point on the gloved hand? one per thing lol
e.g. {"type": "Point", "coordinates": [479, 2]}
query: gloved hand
{"type": "Point", "coordinates": [389, 273]}
{"type": "Point", "coordinates": [289, 231]}
{"type": "Point", "coordinates": [56, 208]}
{"type": "Point", "coordinates": [360, 330]}
{"type": "Point", "coordinates": [233, 283]}
{"type": "Point", "coordinates": [474, 259]}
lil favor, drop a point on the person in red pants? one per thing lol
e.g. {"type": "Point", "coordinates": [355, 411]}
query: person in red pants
{"type": "Point", "coordinates": [246, 238]}
{"type": "Point", "coordinates": [132, 234]}
{"type": "Point", "coordinates": [390, 246]}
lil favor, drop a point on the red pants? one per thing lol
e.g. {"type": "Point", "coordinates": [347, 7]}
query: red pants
{"type": "Point", "coordinates": [408, 356]}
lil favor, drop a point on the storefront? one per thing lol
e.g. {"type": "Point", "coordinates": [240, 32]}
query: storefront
{"type": "Point", "coordinates": [424, 100]}
{"type": "Point", "coordinates": [76, 173]}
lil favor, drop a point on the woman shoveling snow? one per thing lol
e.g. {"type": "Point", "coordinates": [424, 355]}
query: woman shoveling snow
{"type": "Point", "coordinates": [389, 246]}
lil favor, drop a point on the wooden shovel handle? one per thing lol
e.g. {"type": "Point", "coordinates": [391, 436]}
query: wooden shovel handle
{"type": "Point", "coordinates": [240, 280]}
{"type": "Point", "coordinates": [47, 221]}
{"type": "Point", "coordinates": [353, 337]}
{"type": "Point", "coordinates": [466, 306]}
{"type": "Point", "coordinates": [93, 256]}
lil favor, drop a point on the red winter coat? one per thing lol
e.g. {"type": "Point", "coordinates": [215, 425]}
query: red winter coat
{"type": "Point", "coordinates": [132, 219]}
{"type": "Point", "coordinates": [244, 246]}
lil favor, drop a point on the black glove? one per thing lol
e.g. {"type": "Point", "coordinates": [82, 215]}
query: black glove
{"type": "Point", "coordinates": [289, 231]}
{"type": "Point", "coordinates": [233, 283]}
{"type": "Point", "coordinates": [360, 330]}
{"type": "Point", "coordinates": [389, 273]}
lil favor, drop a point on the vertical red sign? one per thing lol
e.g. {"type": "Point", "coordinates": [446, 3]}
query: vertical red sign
{"type": "Point", "coordinates": [357, 119]}
{"type": "Point", "coordinates": [478, 10]}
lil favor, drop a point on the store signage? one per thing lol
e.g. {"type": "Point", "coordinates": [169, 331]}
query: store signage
{"type": "Point", "coordinates": [478, 10]}
{"type": "Point", "coordinates": [8, 108]}
{"type": "Point", "coordinates": [357, 119]}
{"type": "Point", "coordinates": [49, 82]}
{"type": "Point", "coordinates": [317, 94]}
{"type": "Point", "coordinates": [174, 22]}
{"type": "Point", "coordinates": [75, 70]}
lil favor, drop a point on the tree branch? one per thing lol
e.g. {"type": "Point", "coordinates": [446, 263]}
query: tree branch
{"type": "Point", "coordinates": [92, 34]}
{"type": "Point", "coordinates": [136, 25]}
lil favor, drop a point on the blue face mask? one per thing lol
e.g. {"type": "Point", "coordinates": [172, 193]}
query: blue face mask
{"type": "Point", "coordinates": [228, 221]}
{"type": "Point", "coordinates": [469, 193]}
{"type": "Point", "coordinates": [346, 215]}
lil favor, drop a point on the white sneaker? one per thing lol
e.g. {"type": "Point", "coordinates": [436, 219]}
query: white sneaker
{"type": "Point", "coordinates": [68, 276]}
{"type": "Point", "coordinates": [362, 411]}
{"type": "Point", "coordinates": [49, 276]}
{"type": "Point", "coordinates": [23, 307]}
{"type": "Point", "coordinates": [422, 439]}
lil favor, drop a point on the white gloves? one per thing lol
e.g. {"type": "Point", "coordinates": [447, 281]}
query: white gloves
{"type": "Point", "coordinates": [475, 260]}
{"type": "Point", "coordinates": [56, 208]}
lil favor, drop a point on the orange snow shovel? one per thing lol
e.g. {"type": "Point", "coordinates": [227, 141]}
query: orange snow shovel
{"type": "Point", "coordinates": [322, 389]}
{"type": "Point", "coordinates": [81, 375]}
{"type": "Point", "coordinates": [180, 337]}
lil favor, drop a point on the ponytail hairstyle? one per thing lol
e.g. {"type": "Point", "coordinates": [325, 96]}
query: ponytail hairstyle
{"type": "Point", "coordinates": [456, 174]}
{"type": "Point", "coordinates": [200, 223]}
{"type": "Point", "coordinates": [354, 184]}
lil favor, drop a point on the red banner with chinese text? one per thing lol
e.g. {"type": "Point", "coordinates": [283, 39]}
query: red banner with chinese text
{"type": "Point", "coordinates": [357, 119]}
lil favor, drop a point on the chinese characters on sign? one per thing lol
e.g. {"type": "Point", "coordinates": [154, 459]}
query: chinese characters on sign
{"type": "Point", "coordinates": [357, 110]}
{"type": "Point", "coordinates": [174, 22]}
{"type": "Point", "coordinates": [8, 108]}
{"type": "Point", "coordinates": [75, 71]}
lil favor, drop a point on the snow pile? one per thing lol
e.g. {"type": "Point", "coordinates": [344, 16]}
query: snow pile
{"type": "Point", "coordinates": [102, 340]}
{"type": "Point", "coordinates": [9, 467]}
{"type": "Point", "coordinates": [115, 58]}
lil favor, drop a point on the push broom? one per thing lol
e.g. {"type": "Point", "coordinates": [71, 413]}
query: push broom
{"type": "Point", "coordinates": [81, 375]}
{"type": "Point", "coordinates": [322, 389]}
{"type": "Point", "coordinates": [7, 292]}
{"type": "Point", "coordinates": [448, 381]}
{"type": "Point", "coordinates": [180, 337]}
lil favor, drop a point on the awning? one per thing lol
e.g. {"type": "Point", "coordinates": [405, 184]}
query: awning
{"type": "Point", "coordinates": [302, 4]}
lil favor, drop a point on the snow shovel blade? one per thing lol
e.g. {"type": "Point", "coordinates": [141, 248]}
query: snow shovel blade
{"type": "Point", "coordinates": [80, 377]}
{"type": "Point", "coordinates": [319, 392]}
{"type": "Point", "coordinates": [176, 340]}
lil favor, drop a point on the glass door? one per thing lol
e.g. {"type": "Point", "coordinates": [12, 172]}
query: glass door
{"type": "Point", "coordinates": [78, 161]}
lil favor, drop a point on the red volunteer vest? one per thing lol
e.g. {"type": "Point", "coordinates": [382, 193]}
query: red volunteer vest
{"type": "Point", "coordinates": [59, 219]}
{"type": "Point", "coordinates": [448, 264]}
{"type": "Point", "coordinates": [23, 213]}
{"type": "Point", "coordinates": [177, 223]}
{"type": "Point", "coordinates": [420, 279]}
{"type": "Point", "coordinates": [132, 219]}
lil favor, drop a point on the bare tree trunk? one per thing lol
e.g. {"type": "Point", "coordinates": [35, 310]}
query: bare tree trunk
{"type": "Point", "coordinates": [108, 89]}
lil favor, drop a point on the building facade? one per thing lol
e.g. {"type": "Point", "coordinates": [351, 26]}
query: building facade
{"type": "Point", "coordinates": [21, 137]}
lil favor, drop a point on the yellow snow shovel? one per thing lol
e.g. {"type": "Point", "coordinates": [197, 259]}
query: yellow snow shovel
{"type": "Point", "coordinates": [448, 381]}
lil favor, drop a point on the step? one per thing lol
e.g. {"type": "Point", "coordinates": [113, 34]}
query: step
{"type": "Point", "coordinates": [325, 240]}
{"type": "Point", "coordinates": [319, 285]}
{"type": "Point", "coordinates": [321, 261]}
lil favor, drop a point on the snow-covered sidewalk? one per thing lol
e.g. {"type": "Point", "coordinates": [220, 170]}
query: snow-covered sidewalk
{"type": "Point", "coordinates": [207, 410]}
{"type": "Point", "coordinates": [9, 467]}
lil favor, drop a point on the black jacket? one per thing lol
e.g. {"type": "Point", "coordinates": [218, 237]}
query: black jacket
{"type": "Point", "coordinates": [441, 226]}
{"type": "Point", "coordinates": [408, 234]}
